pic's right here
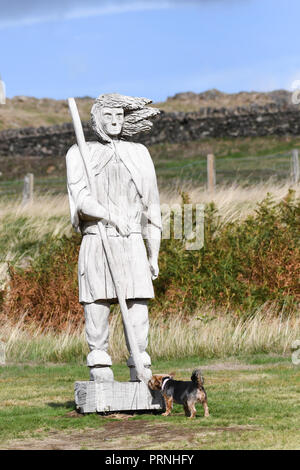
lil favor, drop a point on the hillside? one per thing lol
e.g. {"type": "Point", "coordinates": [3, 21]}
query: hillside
{"type": "Point", "coordinates": [190, 101]}
{"type": "Point", "coordinates": [25, 111]}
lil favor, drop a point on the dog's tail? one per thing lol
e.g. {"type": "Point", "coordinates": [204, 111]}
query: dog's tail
{"type": "Point", "coordinates": [197, 378]}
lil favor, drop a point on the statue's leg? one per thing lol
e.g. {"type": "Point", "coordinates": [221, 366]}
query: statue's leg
{"type": "Point", "coordinates": [96, 329]}
{"type": "Point", "coordinates": [138, 314]}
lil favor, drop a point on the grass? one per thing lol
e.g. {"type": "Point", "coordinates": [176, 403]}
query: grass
{"type": "Point", "coordinates": [251, 170]}
{"type": "Point", "coordinates": [206, 335]}
{"type": "Point", "coordinates": [29, 111]}
{"type": "Point", "coordinates": [24, 228]}
{"type": "Point", "coordinates": [251, 406]}
{"type": "Point", "coordinates": [253, 392]}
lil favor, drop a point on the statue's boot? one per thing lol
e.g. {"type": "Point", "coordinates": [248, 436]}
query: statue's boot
{"type": "Point", "coordinates": [147, 364]}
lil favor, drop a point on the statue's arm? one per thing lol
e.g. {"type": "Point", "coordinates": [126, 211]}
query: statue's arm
{"type": "Point", "coordinates": [84, 204]}
{"type": "Point", "coordinates": [153, 226]}
{"type": "Point", "coordinates": [152, 241]}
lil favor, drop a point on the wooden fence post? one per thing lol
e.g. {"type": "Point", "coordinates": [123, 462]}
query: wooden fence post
{"type": "Point", "coordinates": [295, 168]}
{"type": "Point", "coordinates": [28, 188]}
{"type": "Point", "coordinates": [211, 173]}
{"type": "Point", "coordinates": [2, 353]}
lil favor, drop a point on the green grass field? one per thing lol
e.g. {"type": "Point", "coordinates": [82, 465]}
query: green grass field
{"type": "Point", "coordinates": [246, 161]}
{"type": "Point", "coordinates": [254, 404]}
{"type": "Point", "coordinates": [252, 385]}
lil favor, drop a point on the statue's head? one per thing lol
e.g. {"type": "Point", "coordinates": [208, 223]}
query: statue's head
{"type": "Point", "coordinates": [111, 120]}
{"type": "Point", "coordinates": [119, 116]}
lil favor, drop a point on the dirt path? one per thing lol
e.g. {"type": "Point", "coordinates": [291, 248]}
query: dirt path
{"type": "Point", "coordinates": [219, 366]}
{"type": "Point", "coordinates": [123, 433]}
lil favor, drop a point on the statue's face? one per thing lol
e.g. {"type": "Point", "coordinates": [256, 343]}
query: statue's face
{"type": "Point", "coordinates": [112, 120]}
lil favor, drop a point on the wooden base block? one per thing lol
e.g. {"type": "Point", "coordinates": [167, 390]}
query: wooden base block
{"type": "Point", "coordinates": [92, 396]}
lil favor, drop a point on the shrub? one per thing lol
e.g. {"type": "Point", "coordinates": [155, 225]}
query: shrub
{"type": "Point", "coordinates": [47, 291]}
{"type": "Point", "coordinates": [243, 265]}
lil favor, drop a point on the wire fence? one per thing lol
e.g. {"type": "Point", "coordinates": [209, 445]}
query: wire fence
{"type": "Point", "coordinates": [243, 170]}
{"type": "Point", "coordinates": [43, 185]}
{"type": "Point", "coordinates": [248, 170]}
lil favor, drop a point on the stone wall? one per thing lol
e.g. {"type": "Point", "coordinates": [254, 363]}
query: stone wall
{"type": "Point", "coordinates": [169, 127]}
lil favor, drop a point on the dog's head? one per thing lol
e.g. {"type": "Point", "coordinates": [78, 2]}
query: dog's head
{"type": "Point", "coordinates": [155, 383]}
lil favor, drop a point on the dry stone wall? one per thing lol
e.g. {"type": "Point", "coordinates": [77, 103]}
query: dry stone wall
{"type": "Point", "coordinates": [169, 127]}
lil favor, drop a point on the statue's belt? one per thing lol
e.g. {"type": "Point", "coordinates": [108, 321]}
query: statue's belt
{"type": "Point", "coordinates": [110, 230]}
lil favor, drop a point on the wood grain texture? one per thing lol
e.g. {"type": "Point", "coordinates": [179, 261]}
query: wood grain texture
{"type": "Point", "coordinates": [137, 115]}
{"type": "Point", "coordinates": [92, 397]}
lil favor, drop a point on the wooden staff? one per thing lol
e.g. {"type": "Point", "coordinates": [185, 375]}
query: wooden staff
{"type": "Point", "coordinates": [84, 152]}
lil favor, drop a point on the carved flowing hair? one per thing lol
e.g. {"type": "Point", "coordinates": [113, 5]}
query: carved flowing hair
{"type": "Point", "coordinates": [137, 115]}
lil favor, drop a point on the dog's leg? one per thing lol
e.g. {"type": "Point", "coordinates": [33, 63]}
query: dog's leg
{"type": "Point", "coordinates": [205, 407]}
{"type": "Point", "coordinates": [187, 411]}
{"type": "Point", "coordinates": [191, 406]}
{"type": "Point", "coordinates": [169, 405]}
{"type": "Point", "coordinates": [202, 398]}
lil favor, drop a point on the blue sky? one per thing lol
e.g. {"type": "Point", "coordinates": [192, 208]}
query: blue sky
{"type": "Point", "coordinates": [149, 48]}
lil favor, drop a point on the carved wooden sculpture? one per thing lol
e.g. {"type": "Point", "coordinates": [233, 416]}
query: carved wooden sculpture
{"type": "Point", "coordinates": [114, 202]}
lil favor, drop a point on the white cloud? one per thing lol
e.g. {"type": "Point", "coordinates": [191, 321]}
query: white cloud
{"type": "Point", "coordinates": [20, 12]}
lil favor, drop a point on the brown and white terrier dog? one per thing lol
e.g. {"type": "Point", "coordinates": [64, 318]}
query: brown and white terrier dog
{"type": "Point", "coordinates": [183, 393]}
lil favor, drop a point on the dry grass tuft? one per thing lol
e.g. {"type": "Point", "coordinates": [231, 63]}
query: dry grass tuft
{"type": "Point", "coordinates": [233, 201]}
{"type": "Point", "coordinates": [172, 337]}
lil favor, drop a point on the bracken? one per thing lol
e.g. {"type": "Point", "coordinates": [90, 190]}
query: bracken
{"type": "Point", "coordinates": [244, 265]}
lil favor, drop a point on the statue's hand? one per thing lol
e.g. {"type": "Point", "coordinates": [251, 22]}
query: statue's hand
{"type": "Point", "coordinates": [154, 268]}
{"type": "Point", "coordinates": [121, 223]}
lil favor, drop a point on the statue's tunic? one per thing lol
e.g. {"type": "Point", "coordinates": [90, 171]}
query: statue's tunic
{"type": "Point", "coordinates": [126, 185]}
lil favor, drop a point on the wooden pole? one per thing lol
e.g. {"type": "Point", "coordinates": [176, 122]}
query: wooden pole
{"type": "Point", "coordinates": [295, 167]}
{"type": "Point", "coordinates": [211, 173]}
{"type": "Point", "coordinates": [28, 188]}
